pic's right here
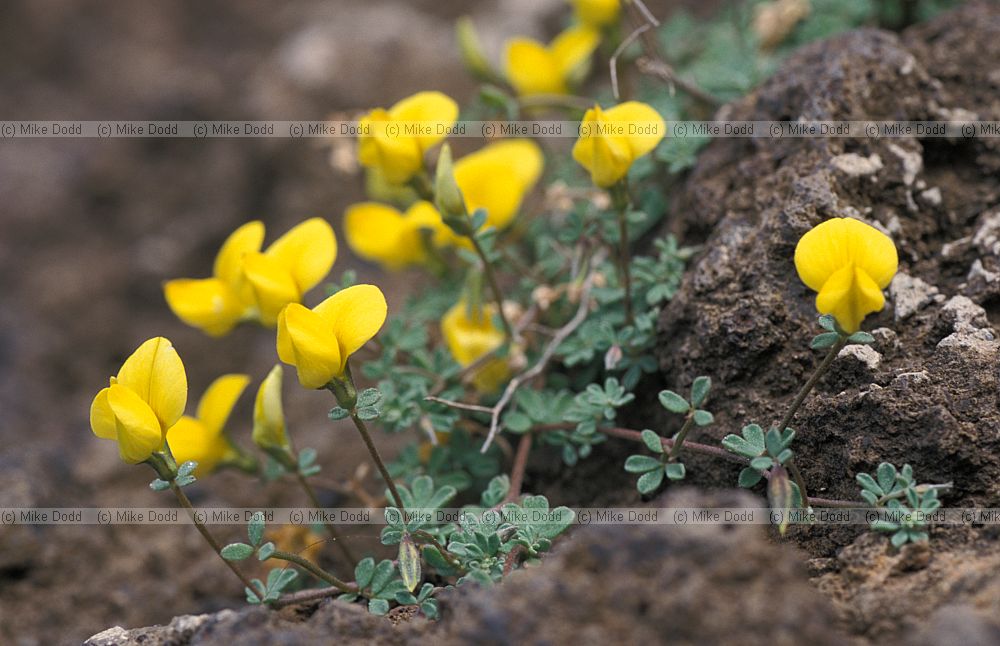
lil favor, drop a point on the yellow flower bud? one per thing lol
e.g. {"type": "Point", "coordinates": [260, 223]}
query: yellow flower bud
{"type": "Point", "coordinates": [268, 413]}
{"type": "Point", "coordinates": [319, 341]}
{"type": "Point", "coordinates": [533, 68]}
{"type": "Point", "coordinates": [471, 334]}
{"type": "Point", "coordinates": [611, 140]}
{"type": "Point", "coordinates": [145, 399]}
{"type": "Point", "coordinates": [395, 144]}
{"type": "Point", "coordinates": [596, 13]}
{"type": "Point", "coordinates": [848, 263]}
{"type": "Point", "coordinates": [202, 438]}
{"type": "Point", "coordinates": [252, 285]}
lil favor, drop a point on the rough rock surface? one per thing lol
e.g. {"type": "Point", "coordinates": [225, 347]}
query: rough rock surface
{"type": "Point", "coordinates": [927, 393]}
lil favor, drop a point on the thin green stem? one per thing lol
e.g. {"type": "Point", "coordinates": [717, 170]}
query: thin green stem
{"type": "Point", "coordinates": [813, 380]}
{"type": "Point", "coordinates": [494, 286]}
{"type": "Point", "coordinates": [330, 529]}
{"type": "Point", "coordinates": [448, 556]}
{"type": "Point", "coordinates": [315, 570]}
{"type": "Point", "coordinates": [620, 196]}
{"type": "Point", "coordinates": [366, 436]}
{"type": "Point", "coordinates": [799, 481]}
{"type": "Point", "coordinates": [186, 504]}
{"type": "Point", "coordinates": [679, 440]}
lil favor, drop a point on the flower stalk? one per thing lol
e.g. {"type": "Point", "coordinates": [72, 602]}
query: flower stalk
{"type": "Point", "coordinates": [622, 201]}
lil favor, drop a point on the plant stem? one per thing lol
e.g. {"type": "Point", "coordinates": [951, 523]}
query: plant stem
{"type": "Point", "coordinates": [619, 193]}
{"type": "Point", "coordinates": [366, 436]}
{"type": "Point", "coordinates": [679, 440]}
{"type": "Point", "coordinates": [448, 556]}
{"type": "Point", "coordinates": [813, 380]}
{"type": "Point", "coordinates": [330, 529]}
{"type": "Point", "coordinates": [494, 286]}
{"type": "Point", "coordinates": [315, 570]}
{"type": "Point", "coordinates": [793, 468]}
{"type": "Point", "coordinates": [186, 504]}
{"type": "Point", "coordinates": [520, 464]}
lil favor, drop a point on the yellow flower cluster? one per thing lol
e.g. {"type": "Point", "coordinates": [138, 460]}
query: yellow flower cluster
{"type": "Point", "coordinates": [470, 334]}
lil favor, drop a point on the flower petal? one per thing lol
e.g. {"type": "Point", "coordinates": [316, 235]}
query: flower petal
{"type": "Point", "coordinates": [498, 176]}
{"type": "Point", "coordinates": [155, 374]}
{"type": "Point", "coordinates": [573, 48]}
{"type": "Point", "coordinates": [138, 429]}
{"type": "Point", "coordinates": [380, 233]}
{"type": "Point", "coordinates": [833, 244]}
{"type": "Point", "coordinates": [849, 295]}
{"type": "Point", "coordinates": [307, 341]}
{"type": "Point", "coordinates": [102, 418]}
{"type": "Point", "coordinates": [606, 158]}
{"type": "Point", "coordinates": [189, 439]}
{"type": "Point", "coordinates": [356, 314]}
{"type": "Point", "coordinates": [218, 401]}
{"type": "Point", "coordinates": [229, 262]}
{"type": "Point", "coordinates": [307, 251]}
{"type": "Point", "coordinates": [596, 13]}
{"type": "Point", "coordinates": [208, 304]}
{"type": "Point", "coordinates": [646, 124]}
{"type": "Point", "coordinates": [273, 286]}
{"type": "Point", "coordinates": [436, 110]}
{"type": "Point", "coordinates": [531, 68]}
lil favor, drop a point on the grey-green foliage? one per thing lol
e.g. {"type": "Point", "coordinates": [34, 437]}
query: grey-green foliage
{"type": "Point", "coordinates": [379, 583]}
{"type": "Point", "coordinates": [906, 504]}
{"type": "Point", "coordinates": [277, 580]}
{"type": "Point", "coordinates": [835, 333]}
{"type": "Point", "coordinates": [421, 501]}
{"type": "Point", "coordinates": [534, 525]}
{"type": "Point", "coordinates": [457, 460]}
{"type": "Point", "coordinates": [765, 451]}
{"type": "Point", "coordinates": [424, 599]}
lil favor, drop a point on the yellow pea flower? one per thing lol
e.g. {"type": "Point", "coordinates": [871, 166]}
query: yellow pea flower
{"type": "Point", "coordinates": [848, 263]}
{"type": "Point", "coordinates": [393, 239]}
{"type": "Point", "coordinates": [611, 140]}
{"type": "Point", "coordinates": [202, 438]}
{"type": "Point", "coordinates": [533, 68]}
{"type": "Point", "coordinates": [319, 341]}
{"type": "Point", "coordinates": [252, 285]}
{"type": "Point", "coordinates": [398, 152]}
{"type": "Point", "coordinates": [268, 413]}
{"type": "Point", "coordinates": [498, 176]}
{"type": "Point", "coordinates": [470, 334]}
{"type": "Point", "coordinates": [145, 399]}
{"type": "Point", "coordinates": [596, 13]}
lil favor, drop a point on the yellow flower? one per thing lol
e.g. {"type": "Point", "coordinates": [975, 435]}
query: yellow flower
{"type": "Point", "coordinates": [393, 239]}
{"type": "Point", "coordinates": [268, 414]}
{"type": "Point", "coordinates": [470, 334]}
{"type": "Point", "coordinates": [848, 263]}
{"type": "Point", "coordinates": [533, 68]}
{"type": "Point", "coordinates": [498, 176]}
{"type": "Point", "coordinates": [145, 399]}
{"type": "Point", "coordinates": [319, 341]}
{"type": "Point", "coordinates": [596, 13]}
{"type": "Point", "coordinates": [250, 285]}
{"type": "Point", "coordinates": [611, 140]}
{"type": "Point", "coordinates": [399, 137]}
{"type": "Point", "coordinates": [202, 438]}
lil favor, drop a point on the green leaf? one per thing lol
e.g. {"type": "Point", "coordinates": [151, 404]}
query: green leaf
{"type": "Point", "coordinates": [823, 341]}
{"type": "Point", "coordinates": [363, 572]}
{"type": "Point", "coordinates": [886, 475]}
{"type": "Point", "coordinates": [378, 606]}
{"type": "Point", "coordinates": [236, 551]}
{"type": "Point", "coordinates": [899, 538]}
{"type": "Point", "coordinates": [674, 402]}
{"type": "Point", "coordinates": [827, 322]}
{"type": "Point", "coordinates": [159, 485]}
{"type": "Point", "coordinates": [430, 609]}
{"type": "Point", "coordinates": [650, 482]}
{"type": "Point", "coordinates": [369, 397]}
{"type": "Point", "coordinates": [868, 484]}
{"type": "Point", "coordinates": [699, 390]}
{"type": "Point", "coordinates": [652, 441]}
{"type": "Point", "coordinates": [884, 526]}
{"type": "Point", "coordinates": [773, 442]}
{"type": "Point", "coordinates": [861, 337]}
{"type": "Point", "coordinates": [750, 445]}
{"type": "Point", "coordinates": [703, 417]}
{"type": "Point", "coordinates": [368, 413]}
{"type": "Point", "coordinates": [382, 575]}
{"type": "Point", "coordinates": [675, 471]}
{"type": "Point", "coordinates": [517, 422]}
{"type": "Point", "coordinates": [306, 457]}
{"type": "Point", "coordinates": [784, 456]}
{"type": "Point", "coordinates": [641, 464]}
{"type": "Point", "coordinates": [265, 551]}
{"type": "Point", "coordinates": [749, 477]}
{"type": "Point", "coordinates": [183, 481]}
{"type": "Point", "coordinates": [762, 463]}
{"type": "Point", "coordinates": [339, 413]}
{"type": "Point", "coordinates": [186, 468]}
{"type": "Point", "coordinates": [779, 495]}
{"type": "Point", "coordinates": [409, 563]}
{"type": "Point", "coordinates": [255, 528]}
